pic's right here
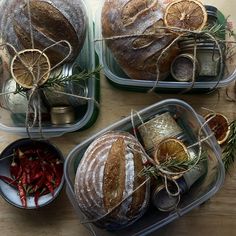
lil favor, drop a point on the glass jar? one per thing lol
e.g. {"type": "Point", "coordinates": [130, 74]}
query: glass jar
{"type": "Point", "coordinates": [183, 66]}
{"type": "Point", "coordinates": [155, 130]}
{"type": "Point", "coordinates": [207, 55]}
{"type": "Point", "coordinates": [211, 15]}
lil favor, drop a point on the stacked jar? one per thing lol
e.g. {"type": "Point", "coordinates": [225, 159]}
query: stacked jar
{"type": "Point", "coordinates": [206, 64]}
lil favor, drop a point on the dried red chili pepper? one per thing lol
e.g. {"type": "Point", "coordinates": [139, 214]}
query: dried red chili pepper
{"type": "Point", "coordinates": [50, 187]}
{"type": "Point", "coordinates": [38, 171]}
{"type": "Point", "coordinates": [9, 180]}
{"type": "Point", "coordinates": [37, 175]}
{"type": "Point", "coordinates": [24, 180]}
{"type": "Point", "coordinates": [15, 170]}
{"type": "Point", "coordinates": [49, 177]}
{"type": "Point", "coordinates": [39, 184]}
{"type": "Point", "coordinates": [28, 177]}
{"type": "Point", "coordinates": [58, 170]}
{"type": "Point", "coordinates": [36, 198]}
{"type": "Point", "coordinates": [22, 194]}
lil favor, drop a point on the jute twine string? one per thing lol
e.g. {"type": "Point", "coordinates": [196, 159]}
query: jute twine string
{"type": "Point", "coordinates": [30, 23]}
{"type": "Point", "coordinates": [34, 96]}
{"type": "Point", "coordinates": [34, 100]}
{"type": "Point", "coordinates": [193, 34]}
{"type": "Point", "coordinates": [178, 33]}
{"type": "Point", "coordinates": [168, 176]}
{"type": "Point", "coordinates": [118, 204]}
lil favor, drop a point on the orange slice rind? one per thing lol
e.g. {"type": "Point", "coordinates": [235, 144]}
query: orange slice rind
{"type": "Point", "coordinates": [186, 15]}
{"type": "Point", "coordinates": [30, 67]}
{"type": "Point", "coordinates": [171, 149]}
{"type": "Point", "coordinates": [219, 125]}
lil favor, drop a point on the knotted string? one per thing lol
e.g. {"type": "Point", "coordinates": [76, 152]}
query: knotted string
{"type": "Point", "coordinates": [167, 175]}
{"type": "Point", "coordinates": [170, 175]}
{"type": "Point", "coordinates": [179, 32]}
{"type": "Point", "coordinates": [34, 99]}
{"type": "Point", "coordinates": [34, 92]}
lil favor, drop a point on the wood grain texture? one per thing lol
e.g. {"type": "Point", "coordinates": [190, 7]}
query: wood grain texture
{"type": "Point", "coordinates": [216, 217]}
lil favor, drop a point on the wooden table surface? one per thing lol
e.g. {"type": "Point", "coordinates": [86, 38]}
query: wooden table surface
{"type": "Point", "coordinates": [216, 217]}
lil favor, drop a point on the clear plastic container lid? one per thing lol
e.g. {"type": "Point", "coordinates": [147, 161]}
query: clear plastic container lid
{"type": "Point", "coordinates": [153, 219]}
{"type": "Point", "coordinates": [117, 76]}
{"type": "Point", "coordinates": [12, 119]}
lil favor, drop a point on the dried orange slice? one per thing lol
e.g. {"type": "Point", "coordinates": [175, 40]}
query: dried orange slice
{"type": "Point", "coordinates": [29, 67]}
{"type": "Point", "coordinates": [219, 125]}
{"type": "Point", "coordinates": [171, 149]}
{"type": "Point", "coordinates": [185, 14]}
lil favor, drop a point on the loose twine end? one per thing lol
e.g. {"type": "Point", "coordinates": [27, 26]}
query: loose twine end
{"type": "Point", "coordinates": [168, 176]}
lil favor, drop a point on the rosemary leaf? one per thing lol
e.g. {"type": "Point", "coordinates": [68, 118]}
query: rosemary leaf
{"type": "Point", "coordinates": [62, 81]}
{"type": "Point", "coordinates": [173, 166]}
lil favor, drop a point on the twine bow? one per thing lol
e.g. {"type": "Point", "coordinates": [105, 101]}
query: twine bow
{"type": "Point", "coordinates": [34, 98]}
{"type": "Point", "coordinates": [180, 33]}
{"type": "Point", "coordinates": [168, 176]}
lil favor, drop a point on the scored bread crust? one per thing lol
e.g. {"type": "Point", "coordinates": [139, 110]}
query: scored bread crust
{"type": "Point", "coordinates": [94, 180]}
{"type": "Point", "coordinates": [114, 175]}
{"type": "Point", "coordinates": [137, 56]}
{"type": "Point", "coordinates": [52, 21]}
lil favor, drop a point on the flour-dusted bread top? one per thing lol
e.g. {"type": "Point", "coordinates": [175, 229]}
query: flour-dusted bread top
{"type": "Point", "coordinates": [108, 174]}
{"type": "Point", "coordinates": [137, 55]}
{"type": "Point", "coordinates": [52, 21]}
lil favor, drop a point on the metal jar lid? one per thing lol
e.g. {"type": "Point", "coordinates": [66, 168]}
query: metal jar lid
{"type": "Point", "coordinates": [163, 201]}
{"type": "Point", "coordinates": [211, 10]}
{"type": "Point", "coordinates": [182, 67]}
{"type": "Point", "coordinates": [62, 115]}
{"type": "Point", "coordinates": [201, 43]}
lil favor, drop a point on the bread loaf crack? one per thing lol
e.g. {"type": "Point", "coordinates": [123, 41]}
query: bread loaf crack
{"type": "Point", "coordinates": [107, 177]}
{"type": "Point", "coordinates": [134, 9]}
{"type": "Point", "coordinates": [114, 175]}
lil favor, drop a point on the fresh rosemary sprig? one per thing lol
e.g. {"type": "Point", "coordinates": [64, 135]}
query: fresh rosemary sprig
{"type": "Point", "coordinates": [62, 81]}
{"type": "Point", "coordinates": [173, 166]}
{"type": "Point", "coordinates": [229, 152]}
{"type": "Point", "coordinates": [217, 30]}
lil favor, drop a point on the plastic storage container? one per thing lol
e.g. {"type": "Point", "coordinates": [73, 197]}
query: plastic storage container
{"type": "Point", "coordinates": [153, 219]}
{"type": "Point", "coordinates": [118, 78]}
{"type": "Point", "coordinates": [85, 115]}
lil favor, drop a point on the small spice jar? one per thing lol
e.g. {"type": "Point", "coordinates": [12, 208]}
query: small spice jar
{"type": "Point", "coordinates": [207, 55]}
{"type": "Point", "coordinates": [182, 68]}
{"type": "Point", "coordinates": [62, 115]}
{"type": "Point", "coordinates": [66, 95]}
{"type": "Point", "coordinates": [163, 201]}
{"type": "Point", "coordinates": [157, 129]}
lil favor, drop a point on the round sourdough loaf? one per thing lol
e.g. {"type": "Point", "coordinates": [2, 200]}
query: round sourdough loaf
{"type": "Point", "coordinates": [107, 175]}
{"type": "Point", "coordinates": [138, 55]}
{"type": "Point", "coordinates": [52, 21]}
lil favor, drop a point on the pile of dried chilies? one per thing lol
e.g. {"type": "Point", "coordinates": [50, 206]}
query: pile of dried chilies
{"type": "Point", "coordinates": [34, 172]}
